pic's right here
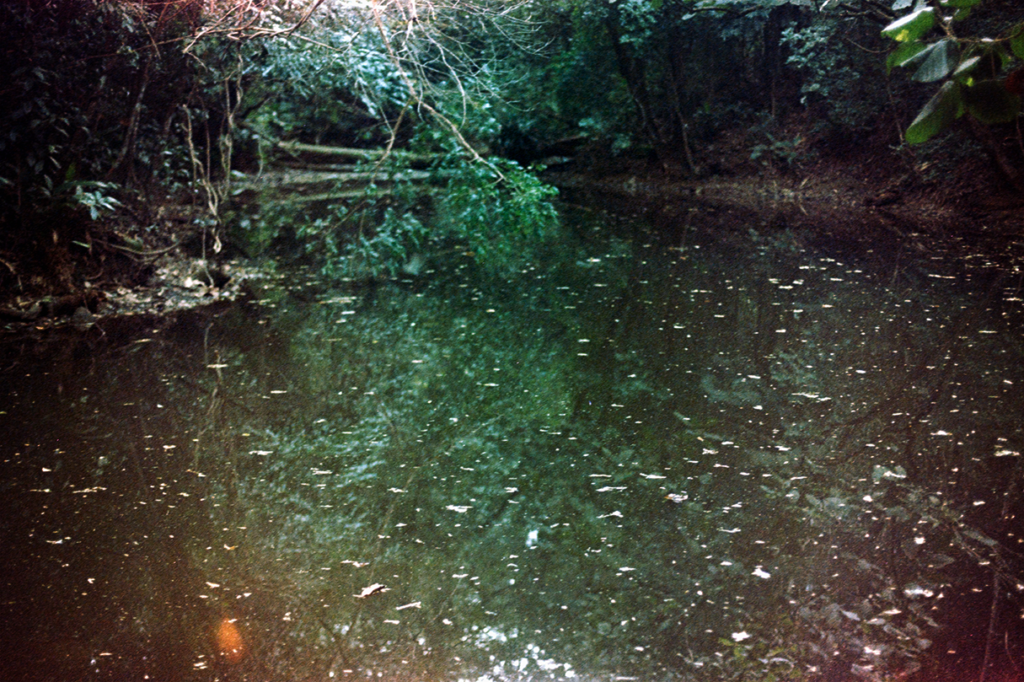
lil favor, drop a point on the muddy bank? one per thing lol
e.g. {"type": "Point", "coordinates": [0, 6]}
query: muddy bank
{"type": "Point", "coordinates": [179, 283]}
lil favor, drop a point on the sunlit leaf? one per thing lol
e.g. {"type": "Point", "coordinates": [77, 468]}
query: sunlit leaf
{"type": "Point", "coordinates": [903, 55]}
{"type": "Point", "coordinates": [939, 61]}
{"type": "Point", "coordinates": [964, 71]}
{"type": "Point", "coordinates": [912, 26]}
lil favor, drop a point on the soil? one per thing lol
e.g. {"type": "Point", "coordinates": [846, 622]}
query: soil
{"type": "Point", "coordinates": [175, 260]}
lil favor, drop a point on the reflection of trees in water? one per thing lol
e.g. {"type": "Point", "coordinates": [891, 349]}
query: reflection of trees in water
{"type": "Point", "coordinates": [628, 478]}
{"type": "Point", "coordinates": [707, 481]}
{"type": "Point", "coordinates": [888, 456]}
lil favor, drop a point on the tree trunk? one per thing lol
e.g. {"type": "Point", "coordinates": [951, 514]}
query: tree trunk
{"type": "Point", "coordinates": [635, 75]}
{"type": "Point", "coordinates": [131, 134]}
{"type": "Point", "coordinates": [1002, 162]}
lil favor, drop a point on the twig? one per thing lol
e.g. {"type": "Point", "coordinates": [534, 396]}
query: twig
{"type": "Point", "coordinates": [419, 100]}
{"type": "Point", "coordinates": [997, 590]}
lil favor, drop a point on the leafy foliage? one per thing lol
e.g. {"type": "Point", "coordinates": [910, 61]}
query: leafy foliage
{"type": "Point", "coordinates": [768, 515]}
{"type": "Point", "coordinates": [501, 212]}
{"type": "Point", "coordinates": [339, 89]}
{"type": "Point", "coordinates": [844, 83]}
{"type": "Point", "coordinates": [974, 69]}
{"type": "Point", "coordinates": [85, 127]}
{"type": "Point", "coordinates": [396, 246]}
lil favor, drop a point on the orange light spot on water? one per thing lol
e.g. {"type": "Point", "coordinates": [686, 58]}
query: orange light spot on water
{"type": "Point", "coordinates": [230, 644]}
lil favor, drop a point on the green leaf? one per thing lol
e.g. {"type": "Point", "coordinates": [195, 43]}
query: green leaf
{"type": "Point", "coordinates": [990, 103]}
{"type": "Point", "coordinates": [942, 109]}
{"type": "Point", "coordinates": [959, 4]}
{"type": "Point", "coordinates": [1017, 42]}
{"type": "Point", "coordinates": [963, 72]}
{"type": "Point", "coordinates": [939, 61]}
{"type": "Point", "coordinates": [903, 55]}
{"type": "Point", "coordinates": [1005, 58]}
{"type": "Point", "coordinates": [912, 26]}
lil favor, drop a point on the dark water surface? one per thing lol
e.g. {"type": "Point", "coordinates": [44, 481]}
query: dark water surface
{"type": "Point", "coordinates": [630, 460]}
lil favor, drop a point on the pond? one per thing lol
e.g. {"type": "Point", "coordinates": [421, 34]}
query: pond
{"type": "Point", "coordinates": [638, 457]}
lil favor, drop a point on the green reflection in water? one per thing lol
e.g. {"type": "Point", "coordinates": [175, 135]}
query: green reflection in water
{"type": "Point", "coordinates": [626, 460]}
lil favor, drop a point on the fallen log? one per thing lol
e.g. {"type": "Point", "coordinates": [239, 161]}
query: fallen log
{"type": "Point", "coordinates": [352, 153]}
{"type": "Point", "coordinates": [334, 183]}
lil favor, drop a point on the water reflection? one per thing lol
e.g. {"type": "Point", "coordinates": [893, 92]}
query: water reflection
{"type": "Point", "coordinates": [631, 461]}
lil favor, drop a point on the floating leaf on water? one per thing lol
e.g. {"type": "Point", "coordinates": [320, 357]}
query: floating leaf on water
{"type": "Point", "coordinates": [885, 473]}
{"type": "Point", "coordinates": [370, 590]}
{"type": "Point", "coordinates": [914, 590]}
